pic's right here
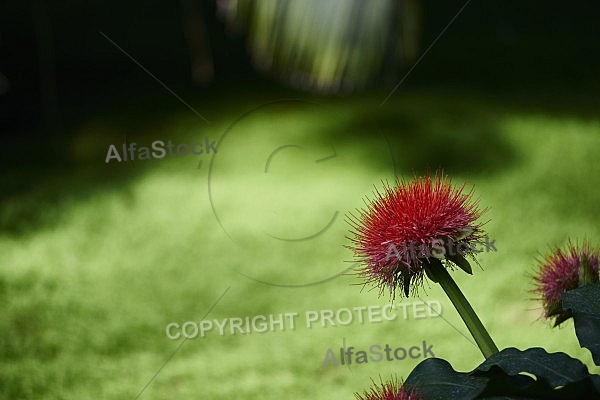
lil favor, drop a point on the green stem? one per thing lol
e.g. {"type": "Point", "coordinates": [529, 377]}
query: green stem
{"type": "Point", "coordinates": [481, 336]}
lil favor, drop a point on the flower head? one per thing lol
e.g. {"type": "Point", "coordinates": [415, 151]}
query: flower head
{"type": "Point", "coordinates": [561, 271]}
{"type": "Point", "coordinates": [392, 390]}
{"type": "Point", "coordinates": [404, 226]}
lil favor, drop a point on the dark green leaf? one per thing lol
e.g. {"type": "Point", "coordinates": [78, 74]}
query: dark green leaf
{"type": "Point", "coordinates": [462, 263]}
{"type": "Point", "coordinates": [557, 369]}
{"type": "Point", "coordinates": [584, 303]}
{"type": "Point", "coordinates": [435, 378]}
{"type": "Point", "coordinates": [503, 386]}
{"type": "Point", "coordinates": [556, 376]}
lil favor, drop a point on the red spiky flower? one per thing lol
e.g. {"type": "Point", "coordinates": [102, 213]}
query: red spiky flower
{"type": "Point", "coordinates": [561, 271]}
{"type": "Point", "coordinates": [392, 390]}
{"type": "Point", "coordinates": [409, 223]}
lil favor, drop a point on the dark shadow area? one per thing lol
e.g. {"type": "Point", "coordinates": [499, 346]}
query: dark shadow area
{"type": "Point", "coordinates": [37, 198]}
{"type": "Point", "coordinates": [434, 131]}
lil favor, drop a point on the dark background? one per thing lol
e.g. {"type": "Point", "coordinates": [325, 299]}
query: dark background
{"type": "Point", "coordinates": [526, 48]}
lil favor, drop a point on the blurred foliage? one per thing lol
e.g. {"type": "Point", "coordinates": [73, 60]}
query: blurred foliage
{"type": "Point", "coordinates": [327, 45]}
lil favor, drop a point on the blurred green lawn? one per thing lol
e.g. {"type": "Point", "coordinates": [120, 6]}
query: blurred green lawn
{"type": "Point", "coordinates": [98, 259]}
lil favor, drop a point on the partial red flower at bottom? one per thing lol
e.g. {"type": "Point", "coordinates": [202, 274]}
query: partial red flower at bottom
{"type": "Point", "coordinates": [561, 271]}
{"type": "Point", "coordinates": [392, 390]}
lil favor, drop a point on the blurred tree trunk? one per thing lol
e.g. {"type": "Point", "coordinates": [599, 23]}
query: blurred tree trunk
{"type": "Point", "coordinates": [47, 75]}
{"type": "Point", "coordinates": [404, 35]}
{"type": "Point", "coordinates": [202, 65]}
{"type": "Point", "coordinates": [393, 46]}
{"type": "Point", "coordinates": [410, 30]}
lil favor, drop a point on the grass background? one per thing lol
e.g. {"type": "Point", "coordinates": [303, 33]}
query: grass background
{"type": "Point", "coordinates": [97, 259]}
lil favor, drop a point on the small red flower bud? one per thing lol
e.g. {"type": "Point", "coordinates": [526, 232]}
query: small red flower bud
{"type": "Point", "coordinates": [561, 271]}
{"type": "Point", "coordinates": [392, 390]}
